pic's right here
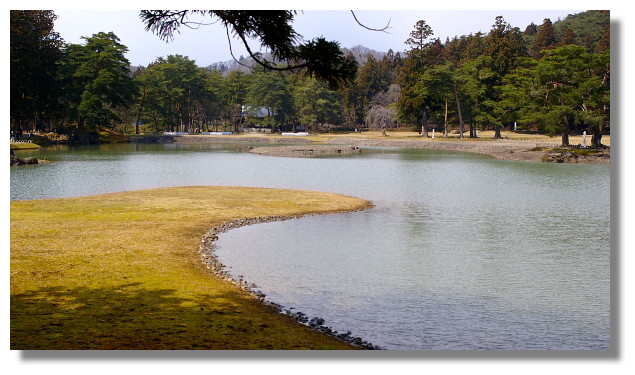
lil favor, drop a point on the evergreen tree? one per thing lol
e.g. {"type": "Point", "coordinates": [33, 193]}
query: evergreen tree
{"type": "Point", "coordinates": [454, 50]}
{"type": "Point", "coordinates": [573, 92]}
{"type": "Point", "coordinates": [531, 29]}
{"type": "Point", "coordinates": [411, 108]}
{"type": "Point", "coordinates": [103, 72]}
{"type": "Point", "coordinates": [436, 89]}
{"type": "Point", "coordinates": [515, 104]}
{"type": "Point", "coordinates": [389, 67]}
{"type": "Point", "coordinates": [604, 44]}
{"type": "Point", "coordinates": [233, 97]}
{"type": "Point", "coordinates": [369, 82]}
{"type": "Point", "coordinates": [149, 101]}
{"type": "Point", "coordinates": [177, 93]}
{"type": "Point", "coordinates": [545, 39]}
{"type": "Point", "coordinates": [435, 53]}
{"type": "Point", "coordinates": [477, 79]}
{"type": "Point", "coordinates": [504, 45]}
{"type": "Point", "coordinates": [412, 105]}
{"type": "Point", "coordinates": [418, 41]}
{"type": "Point", "coordinates": [567, 38]}
{"type": "Point", "coordinates": [316, 104]}
{"type": "Point", "coordinates": [270, 90]}
{"type": "Point", "coordinates": [35, 50]}
{"type": "Point", "coordinates": [475, 46]}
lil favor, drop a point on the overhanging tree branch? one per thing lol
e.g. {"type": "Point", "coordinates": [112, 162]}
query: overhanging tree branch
{"type": "Point", "coordinates": [319, 58]}
{"type": "Point", "coordinates": [368, 28]}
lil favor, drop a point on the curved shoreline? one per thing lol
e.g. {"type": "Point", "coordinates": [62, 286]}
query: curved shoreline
{"type": "Point", "coordinates": [131, 256]}
{"type": "Point", "coordinates": [207, 250]}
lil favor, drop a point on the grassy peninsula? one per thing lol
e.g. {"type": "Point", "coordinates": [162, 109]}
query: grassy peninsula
{"type": "Point", "coordinates": [122, 271]}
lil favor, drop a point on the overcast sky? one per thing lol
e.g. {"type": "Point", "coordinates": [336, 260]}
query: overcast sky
{"type": "Point", "coordinates": [209, 44]}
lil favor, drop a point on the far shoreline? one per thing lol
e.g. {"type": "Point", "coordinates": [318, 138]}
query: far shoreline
{"type": "Point", "coordinates": [513, 146]}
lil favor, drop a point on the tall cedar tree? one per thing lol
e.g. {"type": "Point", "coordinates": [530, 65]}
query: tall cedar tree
{"type": "Point", "coordinates": [545, 39]}
{"type": "Point", "coordinates": [412, 105]}
{"type": "Point", "coordinates": [35, 50]}
{"type": "Point", "coordinates": [567, 38]}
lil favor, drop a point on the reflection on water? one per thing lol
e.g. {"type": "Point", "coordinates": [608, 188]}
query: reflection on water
{"type": "Point", "coordinates": [460, 252]}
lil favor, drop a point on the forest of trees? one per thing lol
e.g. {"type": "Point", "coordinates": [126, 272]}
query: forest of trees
{"type": "Point", "coordinates": [552, 78]}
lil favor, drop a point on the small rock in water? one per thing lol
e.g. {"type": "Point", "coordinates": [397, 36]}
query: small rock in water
{"type": "Point", "coordinates": [316, 322]}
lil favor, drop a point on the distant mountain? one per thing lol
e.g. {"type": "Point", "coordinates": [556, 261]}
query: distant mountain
{"type": "Point", "coordinates": [244, 64]}
{"type": "Point", "coordinates": [361, 53]}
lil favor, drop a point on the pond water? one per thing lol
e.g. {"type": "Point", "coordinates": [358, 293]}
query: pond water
{"type": "Point", "coordinates": [461, 251]}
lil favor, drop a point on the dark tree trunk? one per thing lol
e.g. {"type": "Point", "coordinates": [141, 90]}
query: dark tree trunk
{"type": "Point", "coordinates": [424, 124]}
{"type": "Point", "coordinates": [596, 139]}
{"type": "Point", "coordinates": [445, 125]}
{"type": "Point", "coordinates": [497, 133]}
{"type": "Point", "coordinates": [458, 110]}
{"type": "Point", "coordinates": [565, 137]}
{"type": "Point", "coordinates": [473, 131]}
{"type": "Point", "coordinates": [143, 96]}
{"type": "Point", "coordinates": [565, 131]}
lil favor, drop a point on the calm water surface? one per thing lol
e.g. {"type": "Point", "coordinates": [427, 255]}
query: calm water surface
{"type": "Point", "coordinates": [460, 251]}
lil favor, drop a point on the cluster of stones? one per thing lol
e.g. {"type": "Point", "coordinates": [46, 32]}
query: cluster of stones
{"type": "Point", "coordinates": [26, 161]}
{"type": "Point", "coordinates": [206, 250]}
{"type": "Point", "coordinates": [572, 157]}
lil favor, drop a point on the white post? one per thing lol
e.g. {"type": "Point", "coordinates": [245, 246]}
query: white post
{"type": "Point", "coordinates": [514, 125]}
{"type": "Point", "coordinates": [433, 133]}
{"type": "Point", "coordinates": [584, 139]}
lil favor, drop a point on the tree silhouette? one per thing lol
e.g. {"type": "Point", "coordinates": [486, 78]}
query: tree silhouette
{"type": "Point", "coordinates": [318, 58]}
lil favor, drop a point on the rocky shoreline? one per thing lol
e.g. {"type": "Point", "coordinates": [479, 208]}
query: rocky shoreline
{"type": "Point", "coordinates": [25, 161]}
{"type": "Point", "coordinates": [207, 252]}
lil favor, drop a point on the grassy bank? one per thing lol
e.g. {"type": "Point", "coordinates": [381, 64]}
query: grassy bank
{"type": "Point", "coordinates": [122, 271]}
{"type": "Point", "coordinates": [23, 146]}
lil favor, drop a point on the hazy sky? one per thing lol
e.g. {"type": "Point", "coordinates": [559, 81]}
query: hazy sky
{"type": "Point", "coordinates": [209, 44]}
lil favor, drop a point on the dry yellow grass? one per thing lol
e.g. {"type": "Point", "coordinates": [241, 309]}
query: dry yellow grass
{"type": "Point", "coordinates": [122, 271]}
{"type": "Point", "coordinates": [413, 136]}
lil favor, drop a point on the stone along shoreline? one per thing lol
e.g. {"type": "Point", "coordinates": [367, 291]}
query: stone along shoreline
{"type": "Point", "coordinates": [207, 250]}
